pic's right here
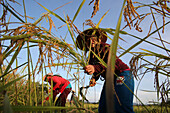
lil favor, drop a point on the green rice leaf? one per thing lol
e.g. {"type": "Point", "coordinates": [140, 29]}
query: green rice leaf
{"type": "Point", "coordinates": [16, 37]}
{"type": "Point", "coordinates": [101, 61]}
{"type": "Point", "coordinates": [97, 26]}
{"type": "Point", "coordinates": [13, 13]}
{"type": "Point", "coordinates": [157, 55]}
{"type": "Point", "coordinates": [78, 10]}
{"type": "Point", "coordinates": [111, 66]}
{"type": "Point", "coordinates": [139, 42]}
{"type": "Point", "coordinates": [15, 68]}
{"type": "Point", "coordinates": [71, 33]}
{"type": "Point", "coordinates": [149, 42]}
{"type": "Point", "coordinates": [51, 12]}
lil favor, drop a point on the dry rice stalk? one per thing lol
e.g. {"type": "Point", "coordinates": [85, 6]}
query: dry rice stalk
{"type": "Point", "coordinates": [129, 12]}
{"type": "Point", "coordinates": [134, 65]}
{"type": "Point", "coordinates": [14, 8]}
{"type": "Point", "coordinates": [163, 4]}
{"type": "Point", "coordinates": [14, 1]}
{"type": "Point", "coordinates": [164, 90]}
{"type": "Point", "coordinates": [36, 33]}
{"type": "Point", "coordinates": [90, 23]}
{"type": "Point", "coordinates": [150, 28]}
{"type": "Point", "coordinates": [164, 7]}
{"type": "Point", "coordinates": [95, 7]}
{"type": "Point", "coordinates": [73, 27]}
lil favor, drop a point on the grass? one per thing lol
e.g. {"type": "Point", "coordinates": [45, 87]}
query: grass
{"type": "Point", "coordinates": [87, 106]}
{"type": "Point", "coordinates": [137, 109]}
{"type": "Point", "coordinates": [151, 108]}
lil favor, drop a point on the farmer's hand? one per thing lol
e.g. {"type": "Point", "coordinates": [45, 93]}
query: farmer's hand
{"type": "Point", "coordinates": [89, 69]}
{"type": "Point", "coordinates": [56, 92]}
{"type": "Point", "coordinates": [92, 82]}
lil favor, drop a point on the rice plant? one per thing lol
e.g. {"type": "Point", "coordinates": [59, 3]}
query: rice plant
{"type": "Point", "coordinates": [20, 92]}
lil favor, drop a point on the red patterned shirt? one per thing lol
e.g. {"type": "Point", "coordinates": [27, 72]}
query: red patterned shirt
{"type": "Point", "coordinates": [59, 83]}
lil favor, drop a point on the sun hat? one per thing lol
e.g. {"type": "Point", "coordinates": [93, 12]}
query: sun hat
{"type": "Point", "coordinates": [45, 77]}
{"type": "Point", "coordinates": [50, 74]}
{"type": "Point", "coordinates": [84, 36]}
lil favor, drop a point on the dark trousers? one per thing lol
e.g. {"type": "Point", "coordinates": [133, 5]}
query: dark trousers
{"type": "Point", "coordinates": [61, 101]}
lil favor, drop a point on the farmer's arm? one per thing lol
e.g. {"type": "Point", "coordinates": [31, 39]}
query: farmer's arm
{"type": "Point", "coordinates": [96, 70]}
{"type": "Point", "coordinates": [95, 66]}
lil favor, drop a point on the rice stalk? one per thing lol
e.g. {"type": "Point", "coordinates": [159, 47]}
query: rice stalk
{"type": "Point", "coordinates": [78, 10]}
{"type": "Point", "coordinates": [97, 26]}
{"type": "Point", "coordinates": [53, 13]}
{"type": "Point", "coordinates": [13, 58]}
{"type": "Point", "coordinates": [111, 66]}
{"type": "Point", "coordinates": [139, 42]}
{"type": "Point", "coordinates": [158, 31]}
{"type": "Point", "coordinates": [110, 31]}
{"type": "Point", "coordinates": [50, 47]}
{"type": "Point", "coordinates": [3, 87]}
{"type": "Point", "coordinates": [12, 13]}
{"type": "Point", "coordinates": [95, 7]}
{"type": "Point", "coordinates": [150, 53]}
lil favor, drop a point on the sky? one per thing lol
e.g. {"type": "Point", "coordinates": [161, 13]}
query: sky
{"type": "Point", "coordinates": [110, 21]}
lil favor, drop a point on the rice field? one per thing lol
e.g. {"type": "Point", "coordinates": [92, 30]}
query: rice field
{"type": "Point", "coordinates": [21, 83]}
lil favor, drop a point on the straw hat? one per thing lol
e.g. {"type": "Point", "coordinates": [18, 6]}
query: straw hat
{"type": "Point", "coordinates": [49, 74]}
{"type": "Point", "coordinates": [83, 37]}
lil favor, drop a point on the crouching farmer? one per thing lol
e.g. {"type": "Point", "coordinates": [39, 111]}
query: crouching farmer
{"type": "Point", "coordinates": [61, 86]}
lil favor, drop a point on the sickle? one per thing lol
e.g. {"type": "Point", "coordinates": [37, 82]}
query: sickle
{"type": "Point", "coordinates": [81, 93]}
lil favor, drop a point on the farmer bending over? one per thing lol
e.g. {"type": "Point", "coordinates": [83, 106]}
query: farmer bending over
{"type": "Point", "coordinates": [95, 40]}
{"type": "Point", "coordinates": [61, 85]}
